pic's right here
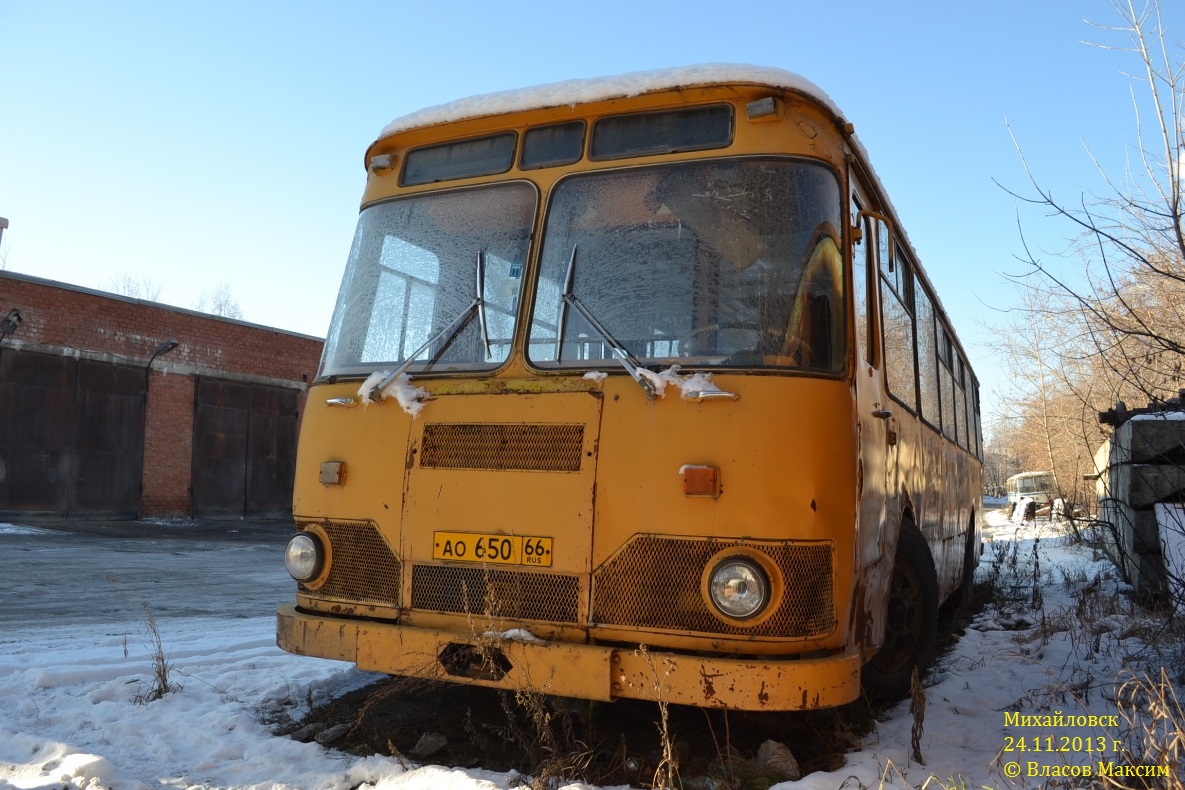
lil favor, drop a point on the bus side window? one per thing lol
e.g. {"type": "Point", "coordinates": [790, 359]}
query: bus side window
{"type": "Point", "coordinates": [974, 391]}
{"type": "Point", "coordinates": [884, 254]}
{"type": "Point", "coordinates": [972, 430]}
{"type": "Point", "coordinates": [958, 371]}
{"type": "Point", "coordinates": [927, 356]}
{"type": "Point", "coordinates": [899, 338]}
{"type": "Point", "coordinates": [861, 247]}
{"type": "Point", "coordinates": [946, 382]}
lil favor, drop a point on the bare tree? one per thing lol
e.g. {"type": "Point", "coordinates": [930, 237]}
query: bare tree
{"type": "Point", "coordinates": [1001, 458]}
{"type": "Point", "coordinates": [1118, 308]}
{"type": "Point", "coordinates": [1129, 244]}
{"type": "Point", "coordinates": [220, 301]}
{"type": "Point", "coordinates": [135, 287]}
{"type": "Point", "coordinates": [1052, 423]}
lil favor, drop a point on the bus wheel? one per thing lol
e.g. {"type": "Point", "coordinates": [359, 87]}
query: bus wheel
{"type": "Point", "coordinates": [911, 620]}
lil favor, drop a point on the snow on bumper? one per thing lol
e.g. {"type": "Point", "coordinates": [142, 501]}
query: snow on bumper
{"type": "Point", "coordinates": [574, 670]}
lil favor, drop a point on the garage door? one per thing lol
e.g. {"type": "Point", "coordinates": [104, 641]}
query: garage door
{"type": "Point", "coordinates": [244, 448]}
{"type": "Point", "coordinates": [72, 441]}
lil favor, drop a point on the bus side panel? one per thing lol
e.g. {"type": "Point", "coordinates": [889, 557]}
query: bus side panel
{"type": "Point", "coordinates": [945, 490]}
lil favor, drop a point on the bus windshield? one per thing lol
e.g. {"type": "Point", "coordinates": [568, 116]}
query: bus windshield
{"type": "Point", "coordinates": [1033, 484]}
{"type": "Point", "coordinates": [414, 269]}
{"type": "Point", "coordinates": [719, 262]}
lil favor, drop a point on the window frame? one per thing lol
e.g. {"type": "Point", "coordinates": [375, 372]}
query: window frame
{"type": "Point", "coordinates": [608, 364]}
{"type": "Point", "coordinates": [857, 196]}
{"type": "Point", "coordinates": [934, 421]}
{"type": "Point", "coordinates": [593, 156]}
{"type": "Point", "coordinates": [338, 375]}
{"type": "Point", "coordinates": [526, 135]}
{"type": "Point", "coordinates": [902, 270]}
{"type": "Point", "coordinates": [511, 133]}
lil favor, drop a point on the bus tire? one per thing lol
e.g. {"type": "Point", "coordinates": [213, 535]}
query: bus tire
{"type": "Point", "coordinates": [911, 620]}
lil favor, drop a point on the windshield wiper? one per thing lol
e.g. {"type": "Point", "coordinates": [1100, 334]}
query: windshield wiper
{"type": "Point", "coordinates": [446, 335]}
{"type": "Point", "coordinates": [481, 301]}
{"type": "Point", "coordinates": [619, 353]}
{"type": "Point", "coordinates": [559, 332]}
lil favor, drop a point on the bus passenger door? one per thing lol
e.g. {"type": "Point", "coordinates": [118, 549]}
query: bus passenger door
{"type": "Point", "coordinates": [871, 402]}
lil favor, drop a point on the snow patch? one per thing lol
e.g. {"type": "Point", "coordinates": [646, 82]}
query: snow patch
{"type": "Point", "coordinates": [690, 385]}
{"type": "Point", "coordinates": [573, 92]}
{"type": "Point", "coordinates": [1022, 507]}
{"type": "Point", "coordinates": [21, 529]}
{"type": "Point", "coordinates": [69, 718]}
{"type": "Point", "coordinates": [514, 635]}
{"type": "Point", "coordinates": [595, 375]}
{"type": "Point", "coordinates": [410, 397]}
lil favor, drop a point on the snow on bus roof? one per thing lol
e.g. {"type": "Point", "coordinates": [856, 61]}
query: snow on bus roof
{"type": "Point", "coordinates": [573, 92]}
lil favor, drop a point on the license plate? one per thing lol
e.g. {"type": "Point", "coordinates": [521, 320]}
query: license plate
{"type": "Point", "coordinates": [493, 549]}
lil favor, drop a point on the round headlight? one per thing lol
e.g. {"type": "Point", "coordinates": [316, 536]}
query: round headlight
{"type": "Point", "coordinates": [739, 588]}
{"type": "Point", "coordinates": [303, 557]}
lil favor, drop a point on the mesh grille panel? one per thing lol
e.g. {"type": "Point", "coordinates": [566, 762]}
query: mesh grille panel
{"type": "Point", "coordinates": [509, 594]}
{"type": "Point", "coordinates": [530, 448]}
{"type": "Point", "coordinates": [364, 568]}
{"type": "Point", "coordinates": [655, 583]}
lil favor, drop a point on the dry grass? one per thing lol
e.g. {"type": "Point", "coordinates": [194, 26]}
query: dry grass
{"type": "Point", "coordinates": [666, 774]}
{"type": "Point", "coordinates": [917, 710]}
{"type": "Point", "coordinates": [162, 668]}
{"type": "Point", "coordinates": [1153, 729]}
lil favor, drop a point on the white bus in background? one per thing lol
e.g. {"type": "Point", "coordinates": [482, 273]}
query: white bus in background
{"type": "Point", "coordinates": [1035, 487]}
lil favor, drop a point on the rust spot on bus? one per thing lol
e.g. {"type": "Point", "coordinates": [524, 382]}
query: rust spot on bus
{"type": "Point", "coordinates": [706, 682]}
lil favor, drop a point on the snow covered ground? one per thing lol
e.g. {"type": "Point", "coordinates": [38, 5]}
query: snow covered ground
{"type": "Point", "coordinates": [68, 716]}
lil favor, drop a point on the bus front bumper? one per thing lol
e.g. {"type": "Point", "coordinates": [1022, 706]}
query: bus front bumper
{"type": "Point", "coordinates": [574, 670]}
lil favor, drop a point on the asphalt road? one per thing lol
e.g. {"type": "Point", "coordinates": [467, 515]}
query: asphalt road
{"type": "Point", "coordinates": [65, 573]}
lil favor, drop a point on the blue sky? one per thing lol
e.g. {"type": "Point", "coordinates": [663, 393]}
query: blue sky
{"type": "Point", "coordinates": [223, 141]}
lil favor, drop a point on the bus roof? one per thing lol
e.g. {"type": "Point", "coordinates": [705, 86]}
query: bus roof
{"type": "Point", "coordinates": [572, 92]}
{"type": "Point", "coordinates": [1029, 474]}
{"type": "Point", "coordinates": [583, 91]}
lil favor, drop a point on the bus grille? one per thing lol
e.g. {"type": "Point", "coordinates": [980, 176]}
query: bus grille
{"type": "Point", "coordinates": [527, 448]}
{"type": "Point", "coordinates": [364, 568]}
{"type": "Point", "coordinates": [505, 594]}
{"type": "Point", "coordinates": [655, 583]}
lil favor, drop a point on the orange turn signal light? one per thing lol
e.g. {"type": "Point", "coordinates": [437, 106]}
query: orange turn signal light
{"type": "Point", "coordinates": [700, 480]}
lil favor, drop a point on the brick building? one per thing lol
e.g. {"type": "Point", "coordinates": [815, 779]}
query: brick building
{"type": "Point", "coordinates": [92, 424]}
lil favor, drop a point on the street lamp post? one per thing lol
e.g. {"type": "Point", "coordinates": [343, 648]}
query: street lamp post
{"type": "Point", "coordinates": [10, 323]}
{"type": "Point", "coordinates": [161, 350]}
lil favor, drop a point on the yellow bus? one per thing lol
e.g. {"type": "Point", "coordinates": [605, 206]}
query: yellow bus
{"type": "Point", "coordinates": [634, 388]}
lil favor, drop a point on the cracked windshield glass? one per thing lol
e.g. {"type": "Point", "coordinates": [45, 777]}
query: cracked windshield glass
{"type": "Point", "coordinates": [721, 263]}
{"type": "Point", "coordinates": [415, 268]}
